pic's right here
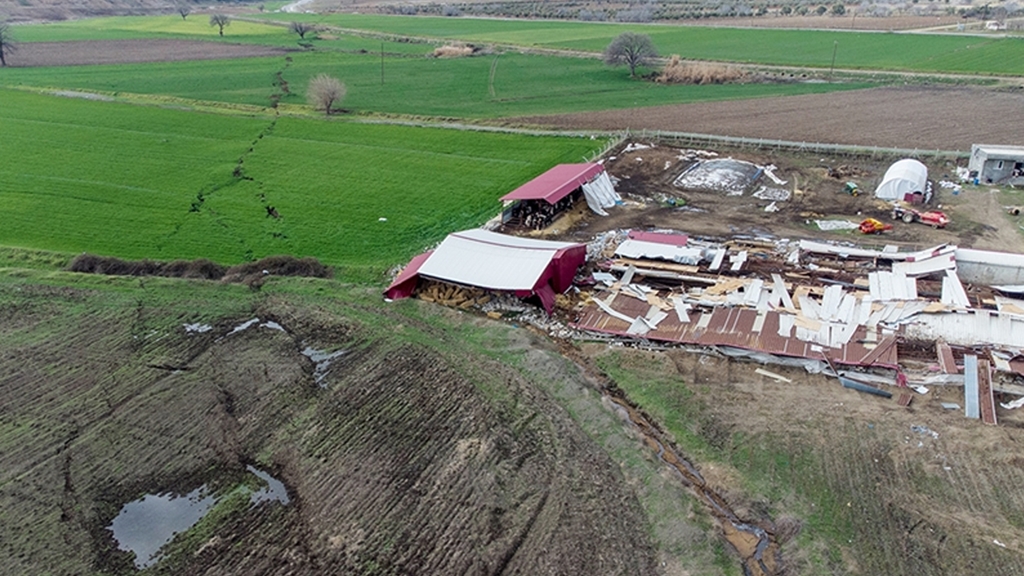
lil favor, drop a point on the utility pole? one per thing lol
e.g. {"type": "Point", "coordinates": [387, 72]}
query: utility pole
{"type": "Point", "coordinates": [833, 67]}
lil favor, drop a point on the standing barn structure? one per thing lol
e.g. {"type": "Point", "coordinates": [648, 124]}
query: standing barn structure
{"type": "Point", "coordinates": [538, 202]}
{"type": "Point", "coordinates": [498, 262]}
{"type": "Point", "coordinates": [997, 164]}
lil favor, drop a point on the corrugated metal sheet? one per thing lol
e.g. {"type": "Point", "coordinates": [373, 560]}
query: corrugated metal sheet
{"type": "Point", "coordinates": [968, 328]}
{"type": "Point", "coordinates": [742, 328]}
{"type": "Point", "coordinates": [660, 251]}
{"type": "Point", "coordinates": [988, 268]}
{"type": "Point", "coordinates": [556, 183]}
{"type": "Point", "coordinates": [971, 407]}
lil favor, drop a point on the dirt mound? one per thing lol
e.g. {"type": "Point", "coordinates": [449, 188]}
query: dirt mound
{"type": "Point", "coordinates": [85, 52]}
{"type": "Point", "coordinates": [251, 273]}
{"type": "Point", "coordinates": [405, 454]}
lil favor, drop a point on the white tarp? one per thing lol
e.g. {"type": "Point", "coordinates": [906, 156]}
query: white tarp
{"type": "Point", "coordinates": [600, 194]}
{"type": "Point", "coordinates": [904, 177]}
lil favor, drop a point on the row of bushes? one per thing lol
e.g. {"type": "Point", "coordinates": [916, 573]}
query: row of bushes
{"type": "Point", "coordinates": [248, 273]}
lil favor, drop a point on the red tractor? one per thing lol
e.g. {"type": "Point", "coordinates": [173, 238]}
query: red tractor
{"type": "Point", "coordinates": [933, 218]}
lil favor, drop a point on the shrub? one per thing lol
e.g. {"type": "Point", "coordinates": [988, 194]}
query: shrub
{"type": "Point", "coordinates": [453, 51]}
{"type": "Point", "coordinates": [678, 71]}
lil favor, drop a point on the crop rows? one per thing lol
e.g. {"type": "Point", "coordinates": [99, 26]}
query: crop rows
{"type": "Point", "coordinates": [141, 182]}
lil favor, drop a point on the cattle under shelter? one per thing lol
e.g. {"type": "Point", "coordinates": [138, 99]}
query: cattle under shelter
{"type": "Point", "coordinates": [536, 204]}
{"type": "Point", "coordinates": [499, 262]}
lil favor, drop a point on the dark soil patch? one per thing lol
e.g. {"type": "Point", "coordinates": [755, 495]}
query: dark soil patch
{"type": "Point", "coordinates": [922, 117]}
{"type": "Point", "coordinates": [80, 53]}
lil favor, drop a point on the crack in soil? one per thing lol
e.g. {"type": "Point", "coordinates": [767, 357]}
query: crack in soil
{"type": "Point", "coordinates": [756, 545]}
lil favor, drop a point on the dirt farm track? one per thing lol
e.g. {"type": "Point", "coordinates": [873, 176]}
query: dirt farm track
{"type": "Point", "coordinates": [925, 117]}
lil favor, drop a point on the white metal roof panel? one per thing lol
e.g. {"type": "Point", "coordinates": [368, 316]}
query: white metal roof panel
{"type": "Point", "coordinates": [643, 249]}
{"type": "Point", "coordinates": [477, 260]}
{"type": "Point", "coordinates": [481, 235]}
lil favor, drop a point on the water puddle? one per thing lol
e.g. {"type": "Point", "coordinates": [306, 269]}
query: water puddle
{"type": "Point", "coordinates": [146, 525]}
{"type": "Point", "coordinates": [255, 322]}
{"type": "Point", "coordinates": [321, 362]}
{"type": "Point", "coordinates": [274, 490]}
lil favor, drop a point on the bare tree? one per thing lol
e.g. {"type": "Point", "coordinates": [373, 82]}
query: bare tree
{"type": "Point", "coordinates": [184, 10]}
{"type": "Point", "coordinates": [220, 21]}
{"type": "Point", "coordinates": [301, 28]}
{"type": "Point", "coordinates": [7, 44]}
{"type": "Point", "coordinates": [631, 49]}
{"type": "Point", "coordinates": [324, 92]}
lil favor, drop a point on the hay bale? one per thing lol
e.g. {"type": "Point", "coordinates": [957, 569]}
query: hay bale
{"type": "Point", "coordinates": [453, 51]}
{"type": "Point", "coordinates": [679, 71]}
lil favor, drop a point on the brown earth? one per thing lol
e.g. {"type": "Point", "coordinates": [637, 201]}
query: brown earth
{"type": "Point", "coordinates": [411, 458]}
{"type": "Point", "coordinates": [924, 117]}
{"type": "Point", "coordinates": [80, 53]}
{"type": "Point", "coordinates": [847, 22]}
{"type": "Point", "coordinates": [816, 183]}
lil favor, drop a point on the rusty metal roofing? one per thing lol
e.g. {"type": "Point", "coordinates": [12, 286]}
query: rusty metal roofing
{"type": "Point", "coordinates": [742, 328]}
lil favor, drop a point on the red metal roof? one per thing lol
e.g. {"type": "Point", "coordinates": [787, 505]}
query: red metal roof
{"type": "Point", "coordinates": [735, 327]}
{"type": "Point", "coordinates": [556, 183]}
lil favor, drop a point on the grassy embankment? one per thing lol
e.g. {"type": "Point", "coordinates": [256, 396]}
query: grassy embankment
{"type": "Point", "coordinates": [143, 182]}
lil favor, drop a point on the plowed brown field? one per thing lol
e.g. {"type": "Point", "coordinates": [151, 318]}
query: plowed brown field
{"type": "Point", "coordinates": [924, 117]}
{"type": "Point", "coordinates": [80, 53]}
{"type": "Point", "coordinates": [407, 460]}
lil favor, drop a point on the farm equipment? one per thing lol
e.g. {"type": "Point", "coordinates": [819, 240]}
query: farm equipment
{"type": "Point", "coordinates": [851, 188]}
{"type": "Point", "coordinates": [873, 226]}
{"type": "Point", "coordinates": [933, 218]}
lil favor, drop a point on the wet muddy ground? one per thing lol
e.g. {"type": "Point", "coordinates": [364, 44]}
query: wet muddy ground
{"type": "Point", "coordinates": [407, 457]}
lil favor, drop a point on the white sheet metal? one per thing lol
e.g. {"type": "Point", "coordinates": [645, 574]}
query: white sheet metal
{"type": "Point", "coordinates": [809, 308]}
{"type": "Point", "coordinates": [611, 311]}
{"type": "Point", "coordinates": [953, 293]}
{"type": "Point", "coordinates": [716, 262]}
{"type": "Point", "coordinates": [945, 260]}
{"type": "Point", "coordinates": [502, 263]}
{"type": "Point", "coordinates": [830, 302]}
{"type": "Point", "coordinates": [682, 311]}
{"type": "Point", "coordinates": [986, 267]}
{"type": "Point", "coordinates": [847, 309]}
{"type": "Point", "coordinates": [600, 194]}
{"type": "Point", "coordinates": [752, 292]}
{"type": "Point", "coordinates": [970, 328]}
{"type": "Point", "coordinates": [786, 322]}
{"type": "Point", "coordinates": [848, 251]}
{"type": "Point", "coordinates": [971, 405]}
{"type": "Point", "coordinates": [738, 260]}
{"type": "Point", "coordinates": [758, 323]}
{"type": "Point", "coordinates": [641, 249]}
{"type": "Point", "coordinates": [874, 286]}
{"type": "Point", "coordinates": [779, 289]}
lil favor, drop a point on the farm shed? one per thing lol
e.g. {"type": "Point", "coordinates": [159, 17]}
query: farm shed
{"type": "Point", "coordinates": [536, 203]}
{"type": "Point", "coordinates": [997, 164]}
{"type": "Point", "coordinates": [907, 176]}
{"type": "Point", "coordinates": [493, 261]}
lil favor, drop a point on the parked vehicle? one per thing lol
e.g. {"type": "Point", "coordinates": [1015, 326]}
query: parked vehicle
{"type": "Point", "coordinates": [933, 218]}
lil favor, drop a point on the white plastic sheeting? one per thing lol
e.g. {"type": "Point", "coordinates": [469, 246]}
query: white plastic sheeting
{"type": "Point", "coordinates": [903, 177]}
{"type": "Point", "coordinates": [600, 194]}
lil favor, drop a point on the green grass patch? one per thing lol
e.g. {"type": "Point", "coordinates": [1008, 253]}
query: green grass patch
{"type": "Point", "coordinates": [145, 182]}
{"type": "Point", "coordinates": [865, 50]}
{"type": "Point", "coordinates": [480, 87]}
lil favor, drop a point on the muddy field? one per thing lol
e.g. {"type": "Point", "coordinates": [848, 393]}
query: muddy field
{"type": "Point", "coordinates": [399, 457]}
{"type": "Point", "coordinates": [815, 184]}
{"type": "Point", "coordinates": [130, 51]}
{"type": "Point", "coordinates": [827, 460]}
{"type": "Point", "coordinates": [924, 117]}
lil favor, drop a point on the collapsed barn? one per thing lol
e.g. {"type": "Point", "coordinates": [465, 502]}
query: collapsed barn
{"type": "Point", "coordinates": [878, 318]}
